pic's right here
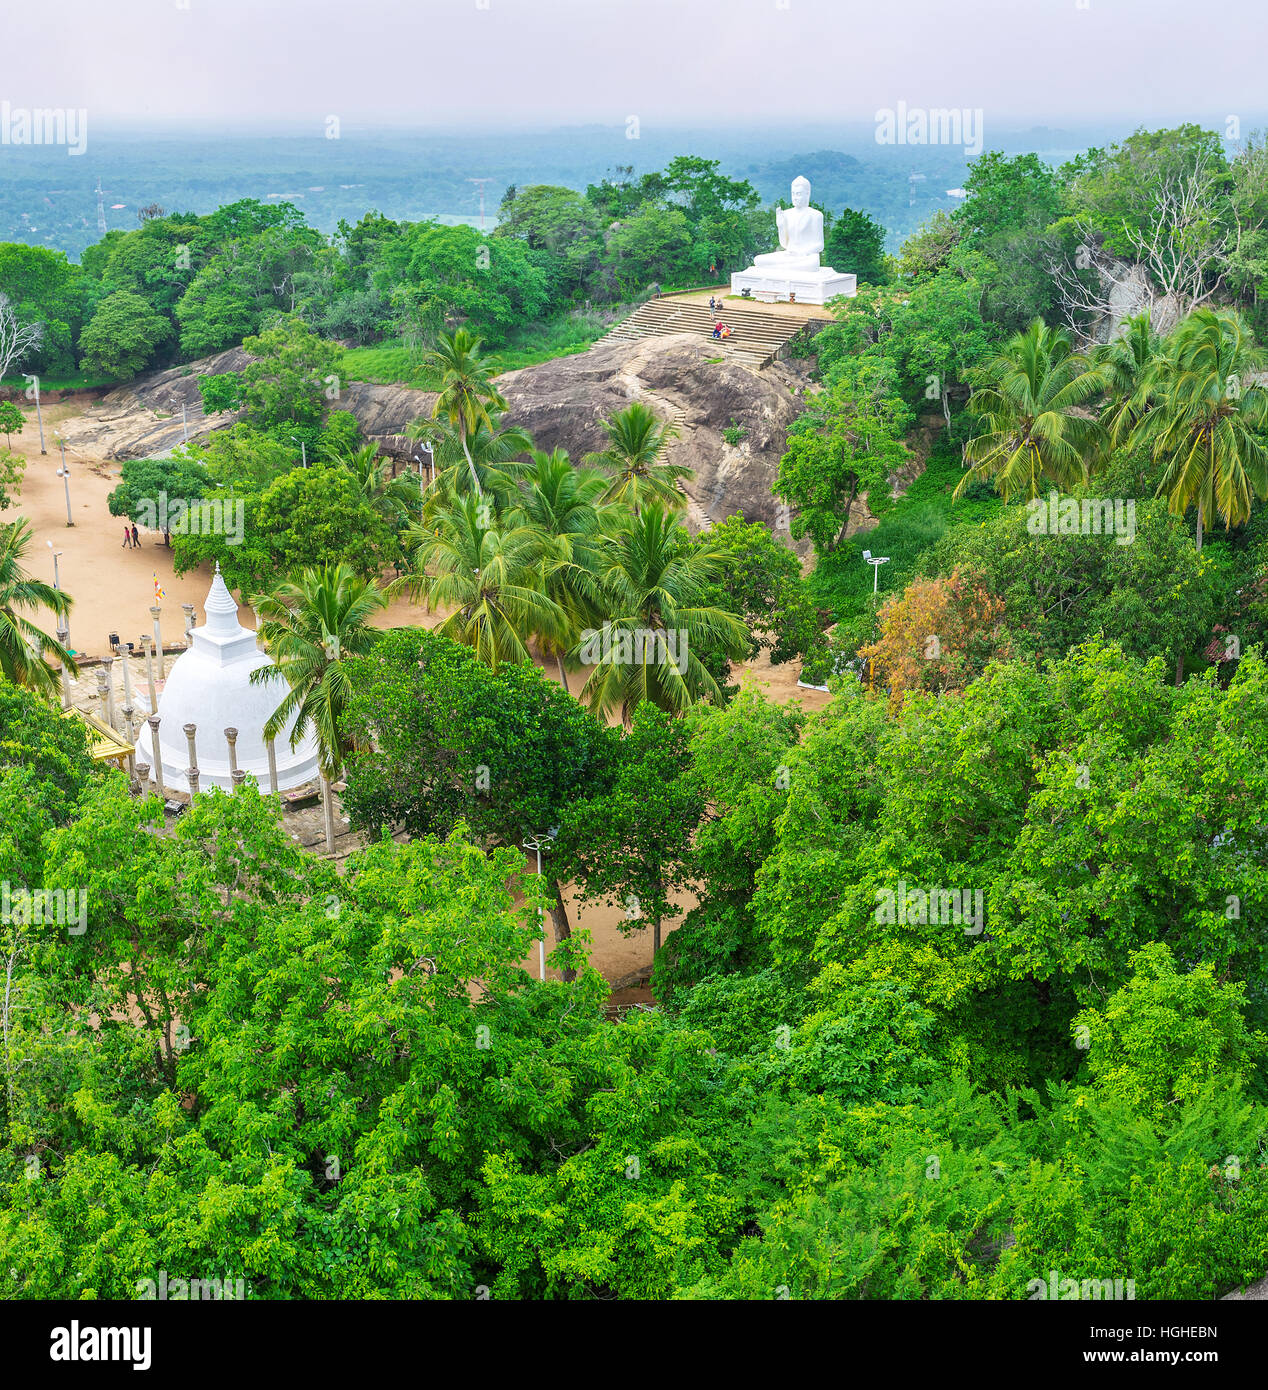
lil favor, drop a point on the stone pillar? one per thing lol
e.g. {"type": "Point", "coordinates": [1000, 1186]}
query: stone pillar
{"type": "Point", "coordinates": [142, 777]}
{"type": "Point", "coordinates": [189, 620]}
{"type": "Point", "coordinates": [192, 770]}
{"type": "Point", "coordinates": [156, 613]}
{"type": "Point", "coordinates": [149, 672]}
{"type": "Point", "coordinates": [63, 636]}
{"type": "Point", "coordinates": [328, 805]}
{"type": "Point", "coordinates": [231, 738]}
{"type": "Point", "coordinates": [113, 719]}
{"type": "Point", "coordinates": [272, 752]}
{"type": "Point", "coordinates": [153, 722]}
{"type": "Point", "coordinates": [105, 695]}
{"type": "Point", "coordinates": [129, 707]}
{"type": "Point", "coordinates": [238, 777]}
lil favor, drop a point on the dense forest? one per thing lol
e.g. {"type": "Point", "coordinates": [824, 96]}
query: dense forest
{"type": "Point", "coordinates": [962, 997]}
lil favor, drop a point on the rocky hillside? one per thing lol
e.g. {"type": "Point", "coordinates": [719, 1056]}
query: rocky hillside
{"type": "Point", "coordinates": [561, 402]}
{"type": "Point", "coordinates": [143, 418]}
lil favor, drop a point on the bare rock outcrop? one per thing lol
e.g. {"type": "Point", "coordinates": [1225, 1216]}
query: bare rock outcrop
{"type": "Point", "coordinates": [563, 402]}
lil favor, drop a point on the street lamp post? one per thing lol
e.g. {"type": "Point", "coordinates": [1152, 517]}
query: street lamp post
{"type": "Point", "coordinates": [535, 842]}
{"type": "Point", "coordinates": [63, 628]}
{"type": "Point", "coordinates": [64, 474]}
{"type": "Point", "coordinates": [876, 561]}
{"type": "Point", "coordinates": [303, 449]}
{"type": "Point", "coordinates": [39, 414]}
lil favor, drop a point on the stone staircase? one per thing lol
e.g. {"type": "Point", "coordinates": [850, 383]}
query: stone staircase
{"type": "Point", "coordinates": [756, 335]}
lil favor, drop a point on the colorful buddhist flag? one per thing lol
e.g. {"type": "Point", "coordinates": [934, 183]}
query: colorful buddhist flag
{"type": "Point", "coordinates": [159, 591]}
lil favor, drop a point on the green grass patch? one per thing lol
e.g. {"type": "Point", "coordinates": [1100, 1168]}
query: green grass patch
{"type": "Point", "coordinates": [392, 363]}
{"type": "Point", "coordinates": [78, 381]}
{"type": "Point", "coordinates": [842, 581]}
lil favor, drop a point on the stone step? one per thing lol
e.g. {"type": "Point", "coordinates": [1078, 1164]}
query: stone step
{"type": "Point", "coordinates": [756, 337]}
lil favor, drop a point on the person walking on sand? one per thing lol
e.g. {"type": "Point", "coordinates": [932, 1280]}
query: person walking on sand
{"type": "Point", "coordinates": [127, 536]}
{"type": "Point", "coordinates": [136, 537]}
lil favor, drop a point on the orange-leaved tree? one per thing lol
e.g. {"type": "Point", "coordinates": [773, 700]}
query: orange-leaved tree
{"type": "Point", "coordinates": [937, 635]}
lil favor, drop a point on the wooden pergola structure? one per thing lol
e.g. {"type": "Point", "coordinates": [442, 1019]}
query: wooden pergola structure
{"type": "Point", "coordinates": [104, 744]}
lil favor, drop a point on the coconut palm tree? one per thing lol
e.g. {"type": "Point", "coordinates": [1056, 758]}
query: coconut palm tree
{"type": "Point", "coordinates": [489, 453]}
{"type": "Point", "coordinates": [564, 504]}
{"type": "Point", "coordinates": [1128, 367]}
{"type": "Point", "coordinates": [1211, 406]}
{"type": "Point", "coordinates": [1030, 399]}
{"type": "Point", "coordinates": [22, 644]}
{"type": "Point", "coordinates": [467, 394]}
{"type": "Point", "coordinates": [308, 626]}
{"type": "Point", "coordinates": [390, 497]}
{"type": "Point", "coordinates": [636, 442]}
{"type": "Point", "coordinates": [651, 583]}
{"type": "Point", "coordinates": [492, 573]}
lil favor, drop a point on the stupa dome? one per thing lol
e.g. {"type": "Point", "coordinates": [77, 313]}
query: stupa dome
{"type": "Point", "coordinates": [209, 686]}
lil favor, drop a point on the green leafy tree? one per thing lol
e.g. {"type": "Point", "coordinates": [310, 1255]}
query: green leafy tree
{"type": "Point", "coordinates": [12, 468]}
{"type": "Point", "coordinates": [760, 582]}
{"type": "Point", "coordinates": [631, 846]}
{"type": "Point", "coordinates": [847, 443]}
{"type": "Point", "coordinates": [1166, 1034]}
{"type": "Point", "coordinates": [488, 282]}
{"type": "Point", "coordinates": [651, 245]}
{"type": "Point", "coordinates": [440, 739]}
{"type": "Point", "coordinates": [856, 245]}
{"type": "Point", "coordinates": [11, 418]}
{"type": "Point", "coordinates": [321, 516]}
{"type": "Point", "coordinates": [143, 482]}
{"type": "Point", "coordinates": [123, 336]}
{"type": "Point", "coordinates": [291, 377]}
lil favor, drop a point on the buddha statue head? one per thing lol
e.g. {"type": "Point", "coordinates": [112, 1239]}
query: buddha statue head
{"type": "Point", "coordinates": [800, 192]}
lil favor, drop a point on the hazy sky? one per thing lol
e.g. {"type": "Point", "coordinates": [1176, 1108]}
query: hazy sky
{"type": "Point", "coordinates": [479, 63]}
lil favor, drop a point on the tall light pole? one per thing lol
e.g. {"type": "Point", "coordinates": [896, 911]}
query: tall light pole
{"type": "Point", "coordinates": [64, 474]}
{"type": "Point", "coordinates": [63, 628]}
{"type": "Point", "coordinates": [39, 414]}
{"type": "Point", "coordinates": [876, 561]}
{"type": "Point", "coordinates": [535, 842]}
{"type": "Point", "coordinates": [303, 449]}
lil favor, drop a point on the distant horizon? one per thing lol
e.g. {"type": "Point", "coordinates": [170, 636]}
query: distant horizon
{"type": "Point", "coordinates": [248, 127]}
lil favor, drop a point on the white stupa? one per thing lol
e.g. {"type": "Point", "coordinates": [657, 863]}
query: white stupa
{"type": "Point", "coordinates": [209, 686]}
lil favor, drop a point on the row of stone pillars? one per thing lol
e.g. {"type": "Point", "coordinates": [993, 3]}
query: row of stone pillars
{"type": "Point", "coordinates": [156, 612]}
{"type": "Point", "coordinates": [191, 772]}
